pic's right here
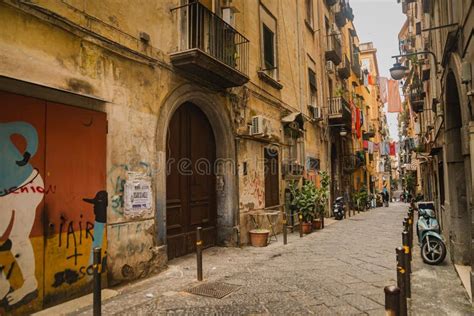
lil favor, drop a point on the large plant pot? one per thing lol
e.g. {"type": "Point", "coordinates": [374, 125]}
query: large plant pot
{"type": "Point", "coordinates": [259, 237]}
{"type": "Point", "coordinates": [317, 224]}
{"type": "Point", "coordinates": [307, 228]}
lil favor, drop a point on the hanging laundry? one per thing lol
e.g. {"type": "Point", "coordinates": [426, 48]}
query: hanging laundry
{"type": "Point", "coordinates": [365, 77]}
{"type": "Point", "coordinates": [371, 147]}
{"type": "Point", "coordinates": [366, 144]}
{"type": "Point", "coordinates": [392, 149]}
{"type": "Point", "coordinates": [372, 80]}
{"type": "Point", "coordinates": [394, 101]}
{"type": "Point", "coordinates": [376, 147]}
{"type": "Point", "coordinates": [383, 81]}
{"type": "Point", "coordinates": [353, 113]}
{"type": "Point", "coordinates": [358, 129]}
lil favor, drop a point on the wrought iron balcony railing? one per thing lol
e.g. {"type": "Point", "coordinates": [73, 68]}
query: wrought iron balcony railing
{"type": "Point", "coordinates": [334, 49]}
{"type": "Point", "coordinates": [210, 48]}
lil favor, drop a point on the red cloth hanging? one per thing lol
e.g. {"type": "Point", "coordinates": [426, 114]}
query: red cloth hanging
{"type": "Point", "coordinates": [372, 80]}
{"type": "Point", "coordinates": [393, 151]}
{"type": "Point", "coordinates": [358, 129]}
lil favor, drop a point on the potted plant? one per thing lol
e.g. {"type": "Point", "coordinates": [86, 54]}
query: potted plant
{"type": "Point", "coordinates": [304, 200]}
{"type": "Point", "coordinates": [322, 198]}
{"type": "Point", "coordinates": [259, 237]}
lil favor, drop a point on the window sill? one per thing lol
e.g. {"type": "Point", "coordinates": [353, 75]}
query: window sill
{"type": "Point", "coordinates": [265, 77]}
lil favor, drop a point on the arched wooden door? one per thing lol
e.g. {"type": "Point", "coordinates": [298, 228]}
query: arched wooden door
{"type": "Point", "coordinates": [190, 182]}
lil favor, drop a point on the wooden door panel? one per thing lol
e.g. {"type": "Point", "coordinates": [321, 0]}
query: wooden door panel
{"type": "Point", "coordinates": [22, 191]}
{"type": "Point", "coordinates": [190, 186]}
{"type": "Point", "coordinates": [76, 166]}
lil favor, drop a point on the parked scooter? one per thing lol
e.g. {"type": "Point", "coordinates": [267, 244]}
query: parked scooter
{"type": "Point", "coordinates": [338, 208]}
{"type": "Point", "coordinates": [433, 248]}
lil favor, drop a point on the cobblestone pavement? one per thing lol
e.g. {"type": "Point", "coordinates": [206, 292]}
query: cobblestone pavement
{"type": "Point", "coordinates": [437, 290]}
{"type": "Point", "coordinates": [341, 269]}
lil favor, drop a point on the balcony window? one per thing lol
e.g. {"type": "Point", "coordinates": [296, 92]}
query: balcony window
{"type": "Point", "coordinates": [268, 48]}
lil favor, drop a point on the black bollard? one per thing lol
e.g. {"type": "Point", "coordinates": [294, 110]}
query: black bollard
{"type": "Point", "coordinates": [406, 257]}
{"type": "Point", "coordinates": [301, 224]}
{"type": "Point", "coordinates": [96, 286]}
{"type": "Point", "coordinates": [285, 230]}
{"type": "Point", "coordinates": [199, 253]}
{"type": "Point", "coordinates": [401, 271]}
{"type": "Point", "coordinates": [392, 300]}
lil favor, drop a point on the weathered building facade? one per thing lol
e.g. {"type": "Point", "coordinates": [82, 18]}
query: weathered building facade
{"type": "Point", "coordinates": [439, 92]}
{"type": "Point", "coordinates": [188, 114]}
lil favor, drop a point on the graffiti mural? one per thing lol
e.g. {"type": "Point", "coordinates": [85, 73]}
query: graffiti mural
{"type": "Point", "coordinates": [21, 191]}
{"type": "Point", "coordinates": [52, 207]}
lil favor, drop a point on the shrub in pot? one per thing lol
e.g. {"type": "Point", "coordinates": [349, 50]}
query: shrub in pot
{"type": "Point", "coordinates": [322, 197]}
{"type": "Point", "coordinates": [304, 200]}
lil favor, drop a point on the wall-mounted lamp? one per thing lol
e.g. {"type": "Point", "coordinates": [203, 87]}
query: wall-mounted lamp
{"type": "Point", "coordinates": [398, 71]}
{"type": "Point", "coordinates": [343, 132]}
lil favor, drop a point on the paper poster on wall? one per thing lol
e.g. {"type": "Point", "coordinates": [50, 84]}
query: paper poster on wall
{"type": "Point", "coordinates": [138, 195]}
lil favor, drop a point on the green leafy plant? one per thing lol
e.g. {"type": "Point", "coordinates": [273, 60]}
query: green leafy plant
{"type": "Point", "coordinates": [410, 182]}
{"type": "Point", "coordinates": [322, 193]}
{"type": "Point", "coordinates": [304, 199]}
{"type": "Point", "coordinates": [360, 198]}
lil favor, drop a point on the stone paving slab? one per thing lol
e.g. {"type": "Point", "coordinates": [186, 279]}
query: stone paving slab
{"type": "Point", "coordinates": [437, 290]}
{"type": "Point", "coordinates": [340, 270]}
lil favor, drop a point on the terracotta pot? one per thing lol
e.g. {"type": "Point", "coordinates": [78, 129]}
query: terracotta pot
{"type": "Point", "coordinates": [259, 237]}
{"type": "Point", "coordinates": [317, 224]}
{"type": "Point", "coordinates": [307, 228]}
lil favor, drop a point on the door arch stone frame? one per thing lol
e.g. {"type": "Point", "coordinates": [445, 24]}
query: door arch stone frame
{"type": "Point", "coordinates": [227, 198]}
{"type": "Point", "coordinates": [461, 253]}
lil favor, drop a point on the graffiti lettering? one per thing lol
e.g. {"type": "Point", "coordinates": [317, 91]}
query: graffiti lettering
{"type": "Point", "coordinates": [70, 276]}
{"type": "Point", "coordinates": [29, 189]}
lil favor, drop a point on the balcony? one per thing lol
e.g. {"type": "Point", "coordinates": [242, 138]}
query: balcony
{"type": "Point", "coordinates": [356, 63]}
{"type": "Point", "coordinates": [341, 18]}
{"type": "Point", "coordinates": [417, 98]}
{"type": "Point", "coordinates": [344, 69]}
{"type": "Point", "coordinates": [334, 49]}
{"type": "Point", "coordinates": [210, 49]}
{"type": "Point", "coordinates": [339, 112]}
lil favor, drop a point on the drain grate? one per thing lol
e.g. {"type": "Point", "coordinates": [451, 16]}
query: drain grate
{"type": "Point", "coordinates": [216, 290]}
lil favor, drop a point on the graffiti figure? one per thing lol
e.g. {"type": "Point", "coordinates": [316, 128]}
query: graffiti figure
{"type": "Point", "coordinates": [100, 212]}
{"type": "Point", "coordinates": [18, 207]}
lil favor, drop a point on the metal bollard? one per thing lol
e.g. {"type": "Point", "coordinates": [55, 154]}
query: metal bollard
{"type": "Point", "coordinates": [199, 253]}
{"type": "Point", "coordinates": [392, 300]}
{"type": "Point", "coordinates": [401, 271]}
{"type": "Point", "coordinates": [345, 214]}
{"type": "Point", "coordinates": [301, 224]}
{"type": "Point", "coordinates": [406, 257]}
{"type": "Point", "coordinates": [285, 230]}
{"type": "Point", "coordinates": [322, 220]}
{"type": "Point", "coordinates": [96, 286]}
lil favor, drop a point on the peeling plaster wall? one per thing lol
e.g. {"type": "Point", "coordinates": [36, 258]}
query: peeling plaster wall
{"type": "Point", "coordinates": [51, 56]}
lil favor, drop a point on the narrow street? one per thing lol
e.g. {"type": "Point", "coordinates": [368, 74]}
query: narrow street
{"type": "Point", "coordinates": [339, 270]}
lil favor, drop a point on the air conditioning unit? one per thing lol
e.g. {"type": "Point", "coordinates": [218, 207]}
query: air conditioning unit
{"type": "Point", "coordinates": [316, 112]}
{"type": "Point", "coordinates": [330, 67]}
{"type": "Point", "coordinates": [260, 126]}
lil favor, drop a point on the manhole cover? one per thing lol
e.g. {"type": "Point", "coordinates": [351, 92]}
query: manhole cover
{"type": "Point", "coordinates": [216, 290]}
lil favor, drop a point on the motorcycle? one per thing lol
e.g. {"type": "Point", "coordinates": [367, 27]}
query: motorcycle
{"type": "Point", "coordinates": [433, 248]}
{"type": "Point", "coordinates": [338, 208]}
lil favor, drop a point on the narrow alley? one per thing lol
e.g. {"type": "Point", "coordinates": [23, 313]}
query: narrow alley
{"type": "Point", "coordinates": [341, 269]}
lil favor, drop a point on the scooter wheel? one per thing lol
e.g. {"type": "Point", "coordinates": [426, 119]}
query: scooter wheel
{"type": "Point", "coordinates": [437, 253]}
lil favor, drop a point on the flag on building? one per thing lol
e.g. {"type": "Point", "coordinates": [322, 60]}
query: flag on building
{"type": "Point", "coordinates": [392, 150]}
{"type": "Point", "coordinates": [394, 101]}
